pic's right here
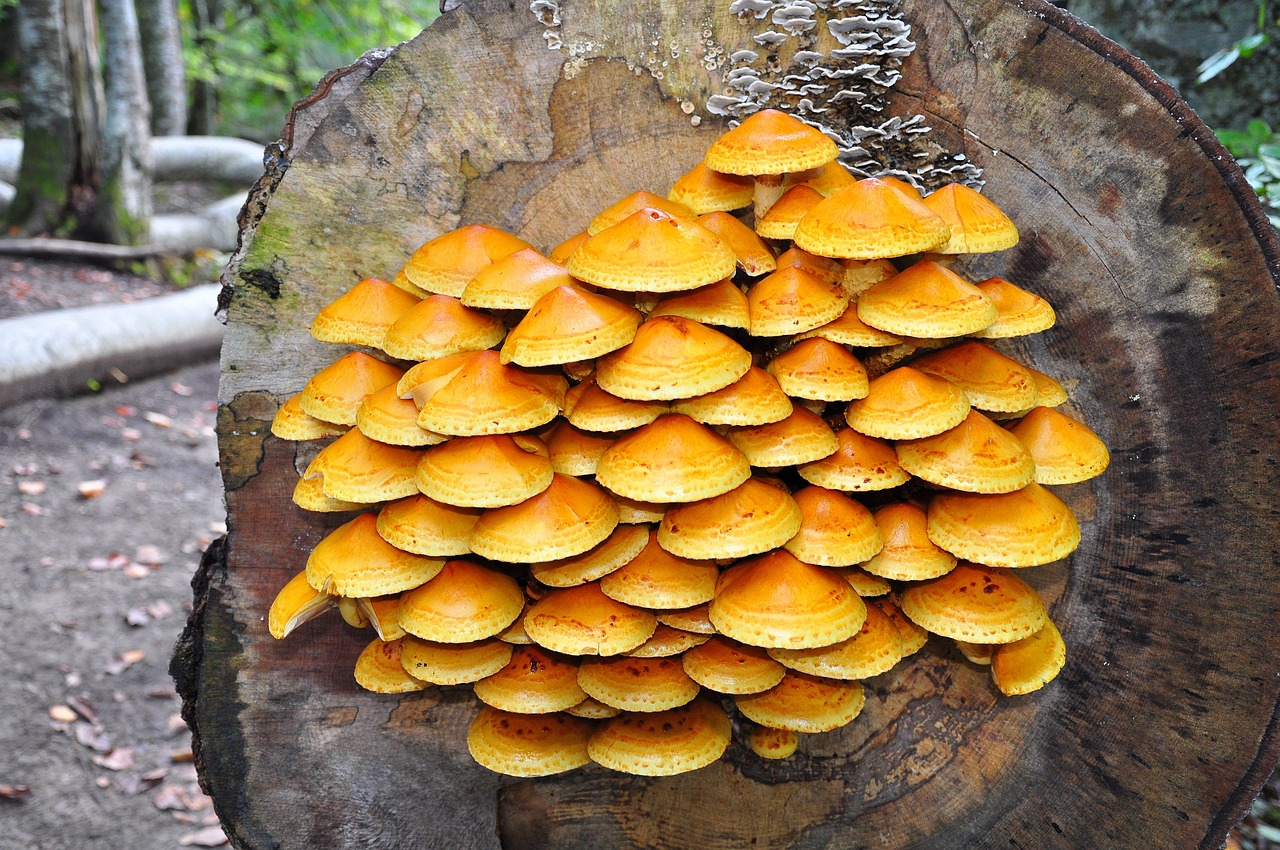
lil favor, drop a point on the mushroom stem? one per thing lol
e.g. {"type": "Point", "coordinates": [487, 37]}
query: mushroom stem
{"type": "Point", "coordinates": [768, 188]}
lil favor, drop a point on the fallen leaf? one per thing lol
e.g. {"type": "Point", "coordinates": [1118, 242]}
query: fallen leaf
{"type": "Point", "coordinates": [63, 714]}
{"type": "Point", "coordinates": [137, 617]}
{"type": "Point", "coordinates": [131, 434]}
{"type": "Point", "coordinates": [132, 656]}
{"type": "Point", "coordinates": [169, 798]}
{"type": "Point", "coordinates": [2, 522]}
{"type": "Point", "coordinates": [182, 756]}
{"type": "Point", "coordinates": [176, 724]}
{"type": "Point", "coordinates": [31, 488]}
{"type": "Point", "coordinates": [158, 419]}
{"type": "Point", "coordinates": [33, 509]}
{"type": "Point", "coordinates": [25, 433]}
{"type": "Point", "coordinates": [120, 758]}
{"type": "Point", "coordinates": [180, 389]}
{"type": "Point", "coordinates": [114, 561]}
{"type": "Point", "coordinates": [123, 661]}
{"type": "Point", "coordinates": [159, 609]}
{"type": "Point", "coordinates": [126, 410]}
{"type": "Point", "coordinates": [25, 469]}
{"type": "Point", "coordinates": [102, 782]}
{"type": "Point", "coordinates": [150, 555]}
{"type": "Point", "coordinates": [91, 735]}
{"type": "Point", "coordinates": [20, 793]}
{"type": "Point", "coordinates": [136, 571]}
{"type": "Point", "coordinates": [84, 708]}
{"type": "Point", "coordinates": [185, 819]}
{"type": "Point", "coordinates": [91, 489]}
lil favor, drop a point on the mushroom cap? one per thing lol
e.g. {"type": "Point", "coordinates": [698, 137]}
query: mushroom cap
{"type": "Point", "coordinates": [636, 511]}
{"type": "Point", "coordinates": [447, 263]}
{"type": "Point", "coordinates": [591, 709]}
{"type": "Point", "coordinates": [296, 603]}
{"type": "Point", "coordinates": [570, 324]}
{"type": "Point", "coordinates": [726, 666]}
{"type": "Point", "coordinates": [438, 326]}
{"type": "Point", "coordinates": [487, 397]}
{"type": "Point", "coordinates": [749, 250]}
{"type": "Point", "coordinates": [291, 422]}
{"type": "Point", "coordinates": [589, 407]}
{"type": "Point", "coordinates": [823, 268]}
{"type": "Point", "coordinates": [568, 518]}
{"type": "Point", "coordinates": [826, 179]}
{"type": "Point", "coordinates": [308, 494]}
{"type": "Point", "coordinates": [791, 301]}
{"type": "Point", "coordinates": [869, 220]}
{"type": "Point", "coordinates": [864, 584]}
{"type": "Point", "coordinates": [1065, 450]}
{"type": "Point", "coordinates": [912, 636]}
{"type": "Point", "coordinates": [1018, 312]}
{"type": "Point", "coordinates": [978, 653]}
{"type": "Point", "coordinates": [1029, 664]}
{"type": "Point", "coordinates": [484, 472]}
{"type": "Point", "coordinates": [770, 142]}
{"type": "Point", "coordinates": [820, 370]}
{"type": "Point", "coordinates": [464, 602]}
{"type": "Point", "coordinates": [516, 282]}
{"type": "Point", "coordinates": [977, 225]}
{"type": "Point", "coordinates": [402, 282]}
{"type": "Point", "coordinates": [673, 459]}
{"type": "Point", "coordinates": [802, 437]}
{"type": "Point", "coordinates": [1025, 528]}
{"type": "Point", "coordinates": [453, 663]}
{"type": "Point", "coordinates": [380, 612]}
{"type": "Point", "coordinates": [976, 456]}
{"type": "Point", "coordinates": [804, 703]}
{"type": "Point", "coordinates": [861, 275]}
{"type": "Point", "coordinates": [534, 681]}
{"type": "Point", "coordinates": [668, 642]}
{"type": "Point", "coordinates": [672, 357]}
{"type": "Point", "coordinates": [991, 380]}
{"type": "Point", "coordinates": [528, 744]}
{"type": "Point", "coordinates": [835, 531]}
{"type": "Point", "coordinates": [859, 464]}
{"type": "Point", "coordinates": [905, 404]}
{"type": "Point", "coordinates": [657, 579]}
{"type": "Point", "coordinates": [653, 251]}
{"type": "Point", "coordinates": [564, 250]}
{"type": "Point", "coordinates": [976, 604]}
{"type": "Point", "coordinates": [386, 417]}
{"type": "Point", "coordinates": [754, 399]}
{"type": "Point", "coordinates": [632, 204]}
{"type": "Point", "coordinates": [703, 191]}
{"type": "Point", "coordinates": [515, 633]}
{"type": "Point", "coordinates": [624, 544]}
{"type": "Point", "coordinates": [378, 669]}
{"type": "Point", "coordinates": [581, 620]}
{"type": "Point", "coordinates": [1049, 392]}
{"type": "Point", "coordinates": [357, 469]}
{"type": "Point", "coordinates": [662, 743]}
{"type": "Point", "coordinates": [637, 684]}
{"type": "Point", "coordinates": [427, 378]}
{"type": "Point", "coordinates": [907, 554]}
{"type": "Point", "coordinates": [334, 393]}
{"type": "Point", "coordinates": [848, 329]}
{"type": "Point", "coordinates": [720, 303]}
{"type": "Point", "coordinates": [785, 213]}
{"type": "Point", "coordinates": [778, 601]}
{"type": "Point", "coordinates": [353, 560]}
{"type": "Point", "coordinates": [773, 743]}
{"type": "Point", "coordinates": [872, 651]}
{"type": "Point", "coordinates": [423, 526]}
{"type": "Point", "coordinates": [573, 451]}
{"type": "Point", "coordinates": [752, 518]}
{"type": "Point", "coordinates": [926, 300]}
{"type": "Point", "coordinates": [363, 314]}
{"type": "Point", "coordinates": [693, 619]}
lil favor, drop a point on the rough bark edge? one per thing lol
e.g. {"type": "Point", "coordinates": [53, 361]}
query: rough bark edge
{"type": "Point", "coordinates": [276, 159]}
{"type": "Point", "coordinates": [1193, 127]}
{"type": "Point", "coordinates": [188, 652]}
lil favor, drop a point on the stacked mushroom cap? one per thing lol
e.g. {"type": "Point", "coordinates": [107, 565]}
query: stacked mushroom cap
{"type": "Point", "coordinates": [630, 487]}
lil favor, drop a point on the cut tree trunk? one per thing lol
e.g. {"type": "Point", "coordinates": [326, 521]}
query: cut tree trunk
{"type": "Point", "coordinates": [1135, 224]}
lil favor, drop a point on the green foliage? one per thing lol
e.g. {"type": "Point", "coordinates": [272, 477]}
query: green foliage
{"type": "Point", "coordinates": [1257, 150]}
{"type": "Point", "coordinates": [1242, 49]}
{"type": "Point", "coordinates": [262, 55]}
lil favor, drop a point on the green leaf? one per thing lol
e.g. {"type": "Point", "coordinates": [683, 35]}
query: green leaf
{"type": "Point", "coordinates": [1217, 63]}
{"type": "Point", "coordinates": [1249, 44]}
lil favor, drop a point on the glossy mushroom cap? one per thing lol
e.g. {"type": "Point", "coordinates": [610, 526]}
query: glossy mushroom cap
{"type": "Point", "coordinates": [528, 745]}
{"type": "Point", "coordinates": [672, 357]}
{"type": "Point", "coordinates": [637, 684]}
{"type": "Point", "coordinates": [438, 326]}
{"type": "Point", "coordinates": [668, 642]}
{"type": "Point", "coordinates": [754, 399]}
{"type": "Point", "coordinates": [869, 220]}
{"type": "Point", "coordinates": [859, 464]}
{"type": "Point", "coordinates": [570, 324]}
{"type": "Point", "coordinates": [804, 703]}
{"type": "Point", "coordinates": [848, 329]}
{"type": "Point", "coordinates": [590, 408]}
{"type": "Point", "coordinates": [773, 743]}
{"type": "Point", "coordinates": [703, 190]}
{"type": "Point", "coordinates": [378, 669]}
{"type": "Point", "coordinates": [487, 397]}
{"type": "Point", "coordinates": [976, 456]}
{"type": "Point", "coordinates": [1018, 312]}
{"type": "Point", "coordinates": [566, 519]}
{"type": "Point", "coordinates": [386, 417]}
{"type": "Point", "coordinates": [484, 472]}
{"type": "Point", "coordinates": [355, 561]}
{"type": "Point", "coordinates": [861, 275]}
{"type": "Point", "coordinates": [720, 303]}
{"type": "Point", "coordinates": [424, 526]}
{"type": "Point", "coordinates": [534, 681]}
{"type": "Point", "coordinates": [791, 301]}
{"type": "Point", "coordinates": [752, 254]}
{"type": "Point", "coordinates": [624, 544]}
{"type": "Point", "coordinates": [662, 743]}
{"type": "Point", "coordinates": [905, 404]}
{"type": "Point", "coordinates": [785, 213]}
{"type": "Point", "coordinates": [912, 636]}
{"type": "Point", "coordinates": [334, 393]}
{"type": "Point", "coordinates": [564, 250]}
{"type": "Point", "coordinates": [656, 579]}
{"type": "Point", "coordinates": [464, 602]}
{"type": "Point", "coordinates": [990, 380]}
{"type": "Point", "coordinates": [516, 282]}
{"type": "Point", "coordinates": [291, 422]}
{"type": "Point", "coordinates": [907, 554]}
{"type": "Point", "coordinates": [1065, 450]}
{"type": "Point", "coordinates": [357, 469]}
{"type": "Point", "coordinates": [826, 179]}
{"type": "Point", "coordinates": [726, 666]}
{"type": "Point", "coordinates": [1029, 664]}
{"type": "Point", "coordinates": [363, 314]}
{"type": "Point", "coordinates": [296, 603]}
{"type": "Point", "coordinates": [802, 437]}
{"type": "Point", "coordinates": [453, 663]}
{"type": "Point", "coordinates": [673, 459]}
{"type": "Point", "coordinates": [444, 265]}
{"type": "Point", "coordinates": [574, 451]}
{"type": "Point", "coordinates": [753, 518]}
{"type": "Point", "coordinates": [977, 225]}
{"type": "Point", "coordinates": [976, 604]}
{"type": "Point", "coordinates": [820, 370]}
{"type": "Point", "coordinates": [778, 601]}
{"type": "Point", "coordinates": [583, 621]}
{"type": "Point", "coordinates": [835, 531]}
{"type": "Point", "coordinates": [632, 204]}
{"type": "Point", "coordinates": [872, 651]}
{"type": "Point", "coordinates": [770, 142]}
{"type": "Point", "coordinates": [1025, 528]}
{"type": "Point", "coordinates": [928, 301]}
{"type": "Point", "coordinates": [652, 251]}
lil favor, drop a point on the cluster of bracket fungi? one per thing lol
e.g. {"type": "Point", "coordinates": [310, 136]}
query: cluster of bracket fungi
{"type": "Point", "coordinates": [671, 472]}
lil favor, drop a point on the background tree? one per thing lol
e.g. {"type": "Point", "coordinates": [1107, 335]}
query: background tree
{"type": "Point", "coordinates": [162, 60]}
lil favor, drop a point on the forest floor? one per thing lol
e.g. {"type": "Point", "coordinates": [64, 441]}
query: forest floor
{"type": "Point", "coordinates": [106, 502]}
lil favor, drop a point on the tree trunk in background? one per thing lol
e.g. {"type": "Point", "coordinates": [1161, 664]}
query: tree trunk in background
{"type": "Point", "coordinates": [62, 116]}
{"type": "Point", "coordinates": [123, 213]}
{"type": "Point", "coordinates": [204, 97]}
{"type": "Point", "coordinates": [1174, 36]}
{"type": "Point", "coordinates": [162, 59]}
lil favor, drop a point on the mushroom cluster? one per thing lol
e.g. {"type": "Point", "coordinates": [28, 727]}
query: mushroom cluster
{"type": "Point", "coordinates": [670, 471]}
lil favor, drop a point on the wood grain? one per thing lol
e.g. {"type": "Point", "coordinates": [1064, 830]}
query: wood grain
{"type": "Point", "coordinates": [1135, 226]}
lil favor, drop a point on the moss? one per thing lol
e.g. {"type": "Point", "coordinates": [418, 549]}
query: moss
{"type": "Point", "coordinates": [43, 187]}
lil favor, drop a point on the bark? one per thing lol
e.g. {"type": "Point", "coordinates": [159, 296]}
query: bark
{"type": "Point", "coordinates": [123, 211]}
{"type": "Point", "coordinates": [62, 116]}
{"type": "Point", "coordinates": [162, 59]}
{"type": "Point", "coordinates": [203, 119]}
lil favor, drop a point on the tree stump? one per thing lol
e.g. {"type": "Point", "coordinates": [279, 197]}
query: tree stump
{"type": "Point", "coordinates": [1135, 225]}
